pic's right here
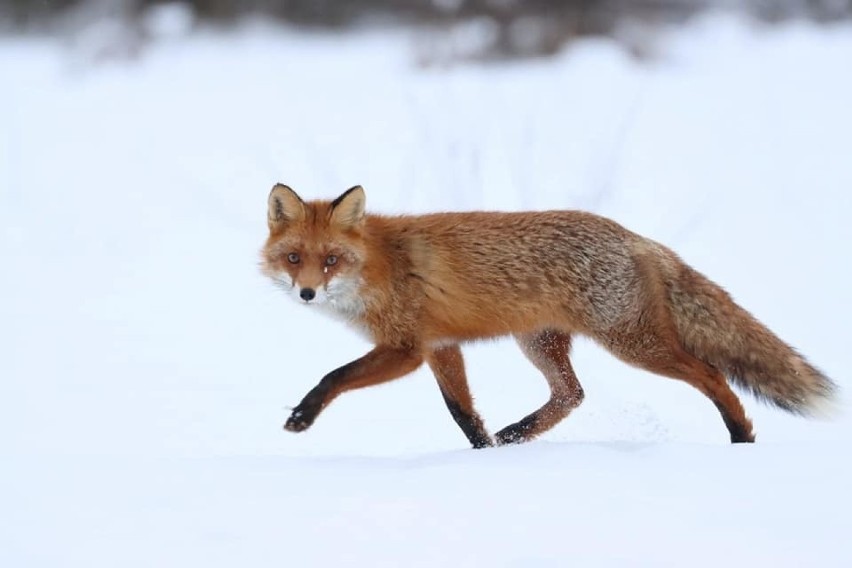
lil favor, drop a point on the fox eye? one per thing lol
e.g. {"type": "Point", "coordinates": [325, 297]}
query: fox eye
{"type": "Point", "coordinates": [293, 258]}
{"type": "Point", "coordinates": [330, 260]}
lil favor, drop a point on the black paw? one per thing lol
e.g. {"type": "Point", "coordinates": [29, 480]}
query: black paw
{"type": "Point", "coordinates": [299, 421]}
{"type": "Point", "coordinates": [517, 433]}
{"type": "Point", "coordinates": [509, 436]}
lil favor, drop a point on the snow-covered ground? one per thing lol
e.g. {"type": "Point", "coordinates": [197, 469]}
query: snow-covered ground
{"type": "Point", "coordinates": [146, 367]}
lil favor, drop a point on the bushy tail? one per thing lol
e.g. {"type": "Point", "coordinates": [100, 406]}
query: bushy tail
{"type": "Point", "coordinates": [715, 329]}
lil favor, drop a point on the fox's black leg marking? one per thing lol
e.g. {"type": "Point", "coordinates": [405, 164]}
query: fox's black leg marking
{"type": "Point", "coordinates": [304, 414]}
{"type": "Point", "coordinates": [469, 424]}
{"type": "Point", "coordinates": [380, 365]}
{"type": "Point", "coordinates": [740, 433]}
{"type": "Point", "coordinates": [518, 432]}
{"type": "Point", "coordinates": [447, 364]}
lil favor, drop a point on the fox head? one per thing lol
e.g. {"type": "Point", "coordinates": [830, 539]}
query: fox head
{"type": "Point", "coordinates": [315, 249]}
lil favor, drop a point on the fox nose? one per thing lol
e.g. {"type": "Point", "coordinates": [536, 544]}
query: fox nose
{"type": "Point", "coordinates": [307, 294]}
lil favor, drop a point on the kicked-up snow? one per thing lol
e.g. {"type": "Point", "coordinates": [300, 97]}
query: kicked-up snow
{"type": "Point", "coordinates": [147, 367]}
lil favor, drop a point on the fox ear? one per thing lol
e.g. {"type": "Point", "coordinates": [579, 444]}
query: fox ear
{"type": "Point", "coordinates": [285, 206]}
{"type": "Point", "coordinates": [348, 209]}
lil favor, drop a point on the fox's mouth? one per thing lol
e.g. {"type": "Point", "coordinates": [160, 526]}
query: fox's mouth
{"type": "Point", "coordinates": [340, 294]}
{"type": "Point", "coordinates": [305, 295]}
{"type": "Point", "coordinates": [319, 297]}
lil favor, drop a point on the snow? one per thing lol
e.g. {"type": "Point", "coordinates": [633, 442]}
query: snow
{"type": "Point", "coordinates": [147, 367]}
{"type": "Point", "coordinates": [551, 504]}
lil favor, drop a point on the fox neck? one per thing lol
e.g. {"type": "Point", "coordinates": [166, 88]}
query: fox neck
{"type": "Point", "coordinates": [341, 300]}
{"type": "Point", "coordinates": [344, 299]}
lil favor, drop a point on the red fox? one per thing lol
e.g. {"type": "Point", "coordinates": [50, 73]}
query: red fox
{"type": "Point", "coordinates": [420, 286]}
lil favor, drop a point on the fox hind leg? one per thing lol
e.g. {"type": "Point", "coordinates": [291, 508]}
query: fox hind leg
{"type": "Point", "coordinates": [447, 364]}
{"type": "Point", "coordinates": [548, 350]}
{"type": "Point", "coordinates": [713, 384]}
{"type": "Point", "coordinates": [661, 353]}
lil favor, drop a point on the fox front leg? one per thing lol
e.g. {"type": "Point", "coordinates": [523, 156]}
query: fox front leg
{"type": "Point", "coordinates": [447, 364]}
{"type": "Point", "coordinates": [380, 365]}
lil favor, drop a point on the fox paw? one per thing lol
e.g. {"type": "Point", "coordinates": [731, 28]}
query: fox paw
{"type": "Point", "coordinates": [516, 433]}
{"type": "Point", "coordinates": [299, 421]}
{"type": "Point", "coordinates": [509, 437]}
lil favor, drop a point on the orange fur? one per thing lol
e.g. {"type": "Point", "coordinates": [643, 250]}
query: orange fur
{"type": "Point", "coordinates": [421, 285]}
